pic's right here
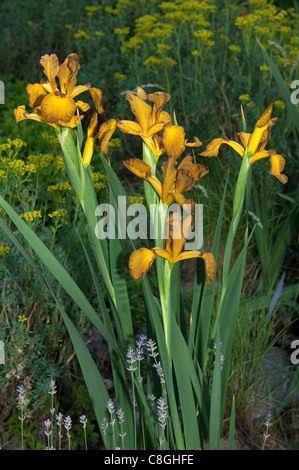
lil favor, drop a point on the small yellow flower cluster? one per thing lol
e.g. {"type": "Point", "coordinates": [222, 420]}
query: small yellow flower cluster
{"type": "Point", "coordinates": [120, 76]}
{"type": "Point", "coordinates": [285, 29]}
{"type": "Point", "coordinates": [30, 216]}
{"type": "Point", "coordinates": [51, 140]}
{"type": "Point", "coordinates": [161, 48]}
{"type": "Point", "coordinates": [223, 37]}
{"type": "Point", "coordinates": [31, 168]}
{"type": "Point", "coordinates": [4, 250]}
{"type": "Point", "coordinates": [80, 34]}
{"type": "Point", "coordinates": [40, 161]}
{"type": "Point", "coordinates": [265, 20]}
{"type": "Point", "coordinates": [265, 68]}
{"type": "Point", "coordinates": [279, 104]}
{"type": "Point", "coordinates": [59, 163]}
{"type": "Point", "coordinates": [17, 144]}
{"type": "Point", "coordinates": [100, 181]}
{"type": "Point", "coordinates": [61, 186]}
{"type": "Point", "coordinates": [233, 48]}
{"type": "Point", "coordinates": [2, 174]}
{"type": "Point", "coordinates": [91, 9]}
{"type": "Point", "coordinates": [158, 31]}
{"type": "Point", "coordinates": [262, 30]}
{"type": "Point", "coordinates": [152, 60]}
{"type": "Point", "coordinates": [166, 62]}
{"type": "Point", "coordinates": [17, 167]}
{"type": "Point", "coordinates": [59, 215]}
{"type": "Point", "coordinates": [121, 31]}
{"type": "Point", "coordinates": [121, 6]}
{"type": "Point", "coordinates": [114, 143]}
{"type": "Point", "coordinates": [133, 43]}
{"type": "Point", "coordinates": [205, 37]}
{"type": "Point", "coordinates": [22, 318]}
{"type": "Point", "coordinates": [136, 199]}
{"type": "Point", "coordinates": [246, 99]}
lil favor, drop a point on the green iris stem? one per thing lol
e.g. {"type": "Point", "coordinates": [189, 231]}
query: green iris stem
{"type": "Point", "coordinates": [148, 157]}
{"type": "Point", "coordinates": [164, 268]}
{"type": "Point", "coordinates": [158, 219]}
{"type": "Point", "coordinates": [81, 181]}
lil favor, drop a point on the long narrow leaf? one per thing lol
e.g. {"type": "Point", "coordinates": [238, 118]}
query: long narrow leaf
{"type": "Point", "coordinates": [202, 322]}
{"type": "Point", "coordinates": [58, 271]}
{"type": "Point", "coordinates": [93, 379]}
{"type": "Point", "coordinates": [215, 412]}
{"type": "Point", "coordinates": [232, 426]}
{"type": "Point", "coordinates": [293, 111]}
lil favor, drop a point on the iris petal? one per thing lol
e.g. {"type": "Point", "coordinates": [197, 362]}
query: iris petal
{"type": "Point", "coordinates": [140, 262]}
{"type": "Point", "coordinates": [56, 108]}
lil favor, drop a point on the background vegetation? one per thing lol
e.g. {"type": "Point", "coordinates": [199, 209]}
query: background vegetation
{"type": "Point", "coordinates": [206, 56]}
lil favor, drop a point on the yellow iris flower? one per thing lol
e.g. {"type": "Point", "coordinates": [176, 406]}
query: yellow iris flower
{"type": "Point", "coordinates": [255, 144]}
{"type": "Point", "coordinates": [57, 107]}
{"type": "Point", "coordinates": [150, 120]}
{"type": "Point", "coordinates": [175, 180]}
{"type": "Point", "coordinates": [153, 125]}
{"type": "Point", "coordinates": [141, 260]}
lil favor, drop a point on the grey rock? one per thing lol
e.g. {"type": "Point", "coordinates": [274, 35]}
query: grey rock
{"type": "Point", "coordinates": [273, 378]}
{"type": "Point", "coordinates": [98, 347]}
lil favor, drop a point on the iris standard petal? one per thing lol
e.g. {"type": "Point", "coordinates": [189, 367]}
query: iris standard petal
{"type": "Point", "coordinates": [260, 128]}
{"type": "Point", "coordinates": [51, 68]}
{"type": "Point", "coordinates": [141, 110]}
{"type": "Point", "coordinates": [67, 74]}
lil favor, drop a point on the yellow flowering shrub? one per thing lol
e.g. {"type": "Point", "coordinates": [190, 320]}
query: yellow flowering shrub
{"type": "Point", "coordinates": [30, 216]}
{"type": "Point", "coordinates": [100, 180]}
{"type": "Point", "coordinates": [234, 48]}
{"type": "Point", "coordinates": [120, 76]}
{"type": "Point", "coordinates": [4, 250]}
{"type": "Point", "coordinates": [40, 161]}
{"type": "Point", "coordinates": [279, 104]}
{"type": "Point", "coordinates": [22, 318]}
{"type": "Point", "coordinates": [136, 199]}
{"type": "Point", "coordinates": [121, 31]}
{"type": "Point", "coordinates": [59, 216]}
{"type": "Point", "coordinates": [80, 34]}
{"type": "Point", "coordinates": [62, 186]}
